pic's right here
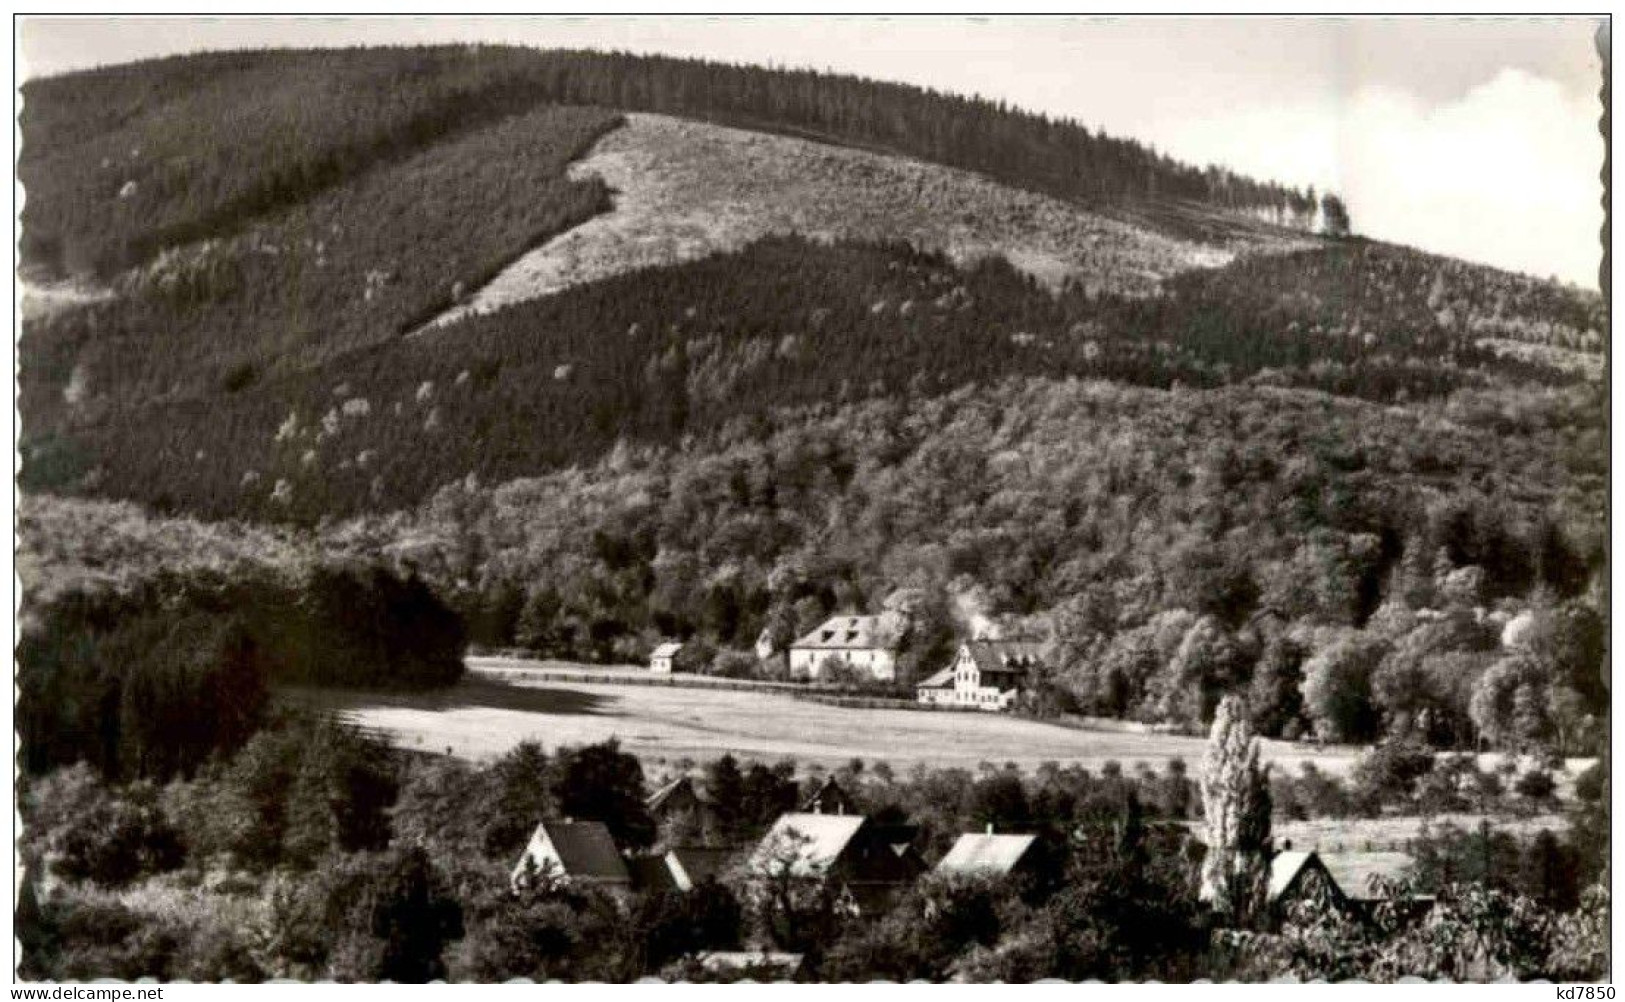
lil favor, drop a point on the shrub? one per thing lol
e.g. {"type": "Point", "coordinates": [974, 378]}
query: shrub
{"type": "Point", "coordinates": [1536, 785]}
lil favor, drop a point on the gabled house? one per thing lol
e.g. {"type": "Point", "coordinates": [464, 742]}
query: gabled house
{"type": "Point", "coordinates": [860, 861]}
{"type": "Point", "coordinates": [681, 869]}
{"type": "Point", "coordinates": [990, 855]}
{"type": "Point", "coordinates": [1301, 876]}
{"type": "Point", "coordinates": [681, 794]}
{"type": "Point", "coordinates": [684, 811]}
{"type": "Point", "coordinates": [866, 644]}
{"type": "Point", "coordinates": [572, 853]}
{"type": "Point", "coordinates": [1362, 877]}
{"type": "Point", "coordinates": [664, 659]}
{"type": "Point", "coordinates": [938, 689]}
{"type": "Point", "coordinates": [829, 798]}
{"type": "Point", "coordinates": [984, 675]}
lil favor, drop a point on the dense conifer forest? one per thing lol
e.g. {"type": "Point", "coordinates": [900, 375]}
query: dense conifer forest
{"type": "Point", "coordinates": [132, 159]}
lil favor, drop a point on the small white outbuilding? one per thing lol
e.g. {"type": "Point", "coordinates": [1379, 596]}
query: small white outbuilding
{"type": "Point", "coordinates": [662, 661]}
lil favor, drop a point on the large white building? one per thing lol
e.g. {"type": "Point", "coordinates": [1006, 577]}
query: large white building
{"type": "Point", "coordinates": [984, 675]}
{"type": "Point", "coordinates": [865, 643]}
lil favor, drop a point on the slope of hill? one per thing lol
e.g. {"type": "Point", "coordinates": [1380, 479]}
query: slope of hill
{"type": "Point", "coordinates": [351, 267]}
{"type": "Point", "coordinates": [125, 161]}
{"type": "Point", "coordinates": [120, 163]}
{"type": "Point", "coordinates": [661, 353]}
{"type": "Point", "coordinates": [686, 189]}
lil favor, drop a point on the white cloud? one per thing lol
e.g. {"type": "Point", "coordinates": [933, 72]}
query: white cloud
{"type": "Point", "coordinates": [1507, 175]}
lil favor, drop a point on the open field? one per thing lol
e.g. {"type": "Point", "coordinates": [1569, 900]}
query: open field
{"type": "Point", "coordinates": [1391, 833]}
{"type": "Point", "coordinates": [686, 189]}
{"type": "Point", "coordinates": [504, 701]}
{"type": "Point", "coordinates": [482, 717]}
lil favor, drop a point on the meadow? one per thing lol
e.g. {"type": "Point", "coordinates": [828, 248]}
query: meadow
{"type": "Point", "coordinates": [481, 718]}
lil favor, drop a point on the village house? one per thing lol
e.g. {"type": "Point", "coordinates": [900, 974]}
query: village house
{"type": "Point", "coordinates": [984, 675]}
{"type": "Point", "coordinates": [864, 863]}
{"type": "Point", "coordinates": [572, 853]}
{"type": "Point", "coordinates": [1343, 880]}
{"type": "Point", "coordinates": [1364, 878]}
{"type": "Point", "coordinates": [681, 869]}
{"type": "Point", "coordinates": [1301, 876]}
{"type": "Point", "coordinates": [990, 855]}
{"type": "Point", "coordinates": [683, 809]}
{"type": "Point", "coordinates": [865, 644]}
{"type": "Point", "coordinates": [664, 659]}
{"type": "Point", "coordinates": [829, 798]}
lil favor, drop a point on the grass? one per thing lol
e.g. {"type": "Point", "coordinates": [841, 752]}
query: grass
{"type": "Point", "coordinates": [1391, 834]}
{"type": "Point", "coordinates": [481, 718]}
{"type": "Point", "coordinates": [686, 189]}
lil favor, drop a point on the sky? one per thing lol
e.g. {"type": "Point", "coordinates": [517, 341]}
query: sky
{"type": "Point", "coordinates": [1476, 138]}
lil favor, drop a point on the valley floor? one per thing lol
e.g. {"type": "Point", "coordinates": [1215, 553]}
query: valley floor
{"type": "Point", "coordinates": [487, 714]}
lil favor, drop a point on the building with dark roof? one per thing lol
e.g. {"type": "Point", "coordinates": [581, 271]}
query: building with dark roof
{"type": "Point", "coordinates": [862, 861]}
{"type": "Point", "coordinates": [572, 852]}
{"type": "Point", "coordinates": [829, 798]}
{"type": "Point", "coordinates": [866, 644]}
{"type": "Point", "coordinates": [984, 675]}
{"type": "Point", "coordinates": [683, 868]}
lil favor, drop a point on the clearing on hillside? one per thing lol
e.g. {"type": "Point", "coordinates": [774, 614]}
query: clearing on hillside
{"type": "Point", "coordinates": [685, 189]}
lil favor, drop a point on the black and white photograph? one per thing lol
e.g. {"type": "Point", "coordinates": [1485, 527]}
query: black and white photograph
{"type": "Point", "coordinates": [817, 498]}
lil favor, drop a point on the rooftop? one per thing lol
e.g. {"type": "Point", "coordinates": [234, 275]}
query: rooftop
{"type": "Point", "coordinates": [820, 839]}
{"type": "Point", "coordinates": [854, 633]}
{"type": "Point", "coordinates": [584, 849]}
{"type": "Point", "coordinates": [1353, 870]}
{"type": "Point", "coordinates": [986, 855]}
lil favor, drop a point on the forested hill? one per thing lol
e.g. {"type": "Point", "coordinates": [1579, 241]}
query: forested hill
{"type": "Point", "coordinates": [122, 162]}
{"type": "Point", "coordinates": [1123, 410]}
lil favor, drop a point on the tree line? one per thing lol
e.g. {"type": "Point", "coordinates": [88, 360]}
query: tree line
{"type": "Point", "coordinates": [313, 852]}
{"type": "Point", "coordinates": [114, 177]}
{"type": "Point", "coordinates": [164, 677]}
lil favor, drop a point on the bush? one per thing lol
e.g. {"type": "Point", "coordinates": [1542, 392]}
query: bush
{"type": "Point", "coordinates": [735, 664]}
{"type": "Point", "coordinates": [1387, 774]}
{"type": "Point", "coordinates": [1536, 785]}
{"type": "Point", "coordinates": [1590, 784]}
{"type": "Point", "coordinates": [121, 841]}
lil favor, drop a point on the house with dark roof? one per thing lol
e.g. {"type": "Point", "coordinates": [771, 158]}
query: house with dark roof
{"type": "Point", "coordinates": [829, 798]}
{"type": "Point", "coordinates": [866, 644]}
{"type": "Point", "coordinates": [572, 853]}
{"type": "Point", "coordinates": [984, 675]}
{"type": "Point", "coordinates": [683, 868]}
{"type": "Point", "coordinates": [1301, 876]}
{"type": "Point", "coordinates": [990, 855]}
{"type": "Point", "coordinates": [684, 810]}
{"type": "Point", "coordinates": [681, 794]}
{"type": "Point", "coordinates": [862, 861]}
{"type": "Point", "coordinates": [1365, 879]}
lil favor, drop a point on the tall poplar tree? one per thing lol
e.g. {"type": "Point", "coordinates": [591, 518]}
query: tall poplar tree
{"type": "Point", "coordinates": [1236, 798]}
